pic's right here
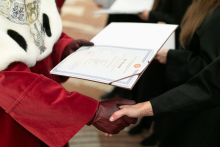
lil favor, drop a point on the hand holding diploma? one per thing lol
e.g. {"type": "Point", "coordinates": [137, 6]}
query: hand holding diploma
{"type": "Point", "coordinates": [161, 56]}
{"type": "Point", "coordinates": [118, 60]}
{"type": "Point", "coordinates": [144, 15]}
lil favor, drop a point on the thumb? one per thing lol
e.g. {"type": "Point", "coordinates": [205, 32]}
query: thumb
{"type": "Point", "coordinates": [156, 57]}
{"type": "Point", "coordinates": [118, 114]}
{"type": "Point", "coordinates": [139, 14]}
{"type": "Point", "coordinates": [123, 106]}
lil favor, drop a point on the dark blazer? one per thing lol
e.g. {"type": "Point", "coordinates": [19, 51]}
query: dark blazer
{"type": "Point", "coordinates": [199, 93]}
{"type": "Point", "coordinates": [204, 48]}
{"type": "Point", "coordinates": [197, 108]}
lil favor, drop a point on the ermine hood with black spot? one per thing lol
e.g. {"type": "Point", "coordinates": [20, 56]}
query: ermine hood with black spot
{"type": "Point", "coordinates": [16, 44]}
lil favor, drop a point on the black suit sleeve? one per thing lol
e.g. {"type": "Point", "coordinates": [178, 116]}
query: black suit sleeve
{"type": "Point", "coordinates": [201, 92]}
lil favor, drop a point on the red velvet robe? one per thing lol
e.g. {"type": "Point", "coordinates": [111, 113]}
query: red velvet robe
{"type": "Point", "coordinates": [60, 3]}
{"type": "Point", "coordinates": [35, 108]}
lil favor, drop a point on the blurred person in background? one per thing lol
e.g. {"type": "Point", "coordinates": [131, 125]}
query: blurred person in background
{"type": "Point", "coordinates": [194, 107]}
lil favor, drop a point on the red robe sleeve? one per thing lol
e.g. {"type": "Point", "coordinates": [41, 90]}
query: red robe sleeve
{"type": "Point", "coordinates": [56, 55]}
{"type": "Point", "coordinates": [42, 106]}
{"type": "Point", "coordinates": [60, 46]}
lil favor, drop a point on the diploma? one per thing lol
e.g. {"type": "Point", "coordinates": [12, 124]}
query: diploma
{"type": "Point", "coordinates": [105, 64]}
{"type": "Point", "coordinates": [120, 55]}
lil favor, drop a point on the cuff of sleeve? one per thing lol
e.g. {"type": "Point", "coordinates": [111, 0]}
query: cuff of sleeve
{"type": "Point", "coordinates": [58, 50]}
{"type": "Point", "coordinates": [160, 105]}
{"type": "Point", "coordinates": [61, 44]}
{"type": "Point", "coordinates": [156, 106]}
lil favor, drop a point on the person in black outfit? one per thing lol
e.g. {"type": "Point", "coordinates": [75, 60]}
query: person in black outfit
{"type": "Point", "coordinates": [200, 38]}
{"type": "Point", "coordinates": [199, 97]}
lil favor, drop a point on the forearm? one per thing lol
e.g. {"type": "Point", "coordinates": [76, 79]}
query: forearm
{"type": "Point", "coordinates": [146, 109]}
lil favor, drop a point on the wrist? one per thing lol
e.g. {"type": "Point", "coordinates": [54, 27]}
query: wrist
{"type": "Point", "coordinates": [66, 51]}
{"type": "Point", "coordinates": [91, 121]}
{"type": "Point", "coordinates": [146, 109]}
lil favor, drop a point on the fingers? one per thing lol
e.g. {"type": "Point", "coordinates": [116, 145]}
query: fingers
{"type": "Point", "coordinates": [139, 14]}
{"type": "Point", "coordinates": [100, 5]}
{"type": "Point", "coordinates": [156, 57]}
{"type": "Point", "coordinates": [123, 106]}
{"type": "Point", "coordinates": [130, 120]}
{"type": "Point", "coordinates": [83, 42]}
{"type": "Point", "coordinates": [160, 22]}
{"type": "Point", "coordinates": [106, 134]}
{"type": "Point", "coordinates": [120, 102]}
{"type": "Point", "coordinates": [117, 115]}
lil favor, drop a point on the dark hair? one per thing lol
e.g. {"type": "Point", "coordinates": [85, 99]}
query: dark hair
{"type": "Point", "coordinates": [156, 5]}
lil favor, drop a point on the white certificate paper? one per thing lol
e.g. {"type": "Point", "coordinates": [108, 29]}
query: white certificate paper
{"type": "Point", "coordinates": [127, 7]}
{"type": "Point", "coordinates": [121, 53]}
{"type": "Point", "coordinates": [105, 64]}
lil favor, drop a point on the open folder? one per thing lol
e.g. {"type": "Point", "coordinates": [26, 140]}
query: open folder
{"type": "Point", "coordinates": [127, 7]}
{"type": "Point", "coordinates": [121, 54]}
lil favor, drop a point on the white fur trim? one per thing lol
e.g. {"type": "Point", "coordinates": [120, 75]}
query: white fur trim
{"type": "Point", "coordinates": [11, 52]}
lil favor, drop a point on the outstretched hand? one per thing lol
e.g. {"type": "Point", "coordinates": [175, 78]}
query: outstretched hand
{"type": "Point", "coordinates": [133, 111]}
{"type": "Point", "coordinates": [105, 109]}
